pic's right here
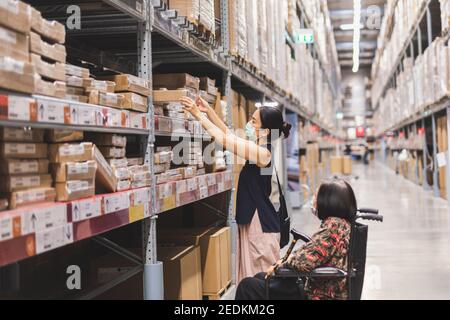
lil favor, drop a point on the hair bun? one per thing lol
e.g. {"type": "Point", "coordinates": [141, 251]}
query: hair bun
{"type": "Point", "coordinates": [286, 129]}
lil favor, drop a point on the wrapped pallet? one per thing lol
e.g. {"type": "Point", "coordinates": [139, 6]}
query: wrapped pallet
{"type": "Point", "coordinates": [252, 30]}
{"type": "Point", "coordinates": [237, 27]}
{"type": "Point", "coordinates": [262, 35]}
{"type": "Point", "coordinates": [196, 11]}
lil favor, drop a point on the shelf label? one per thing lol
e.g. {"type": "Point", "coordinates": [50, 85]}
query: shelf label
{"type": "Point", "coordinates": [6, 228]}
{"type": "Point", "coordinates": [86, 209]}
{"type": "Point", "coordinates": [41, 219]}
{"type": "Point", "coordinates": [116, 202]}
{"type": "Point", "coordinates": [55, 238]}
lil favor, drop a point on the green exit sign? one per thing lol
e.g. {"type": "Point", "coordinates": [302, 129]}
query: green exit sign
{"type": "Point", "coordinates": [305, 36]}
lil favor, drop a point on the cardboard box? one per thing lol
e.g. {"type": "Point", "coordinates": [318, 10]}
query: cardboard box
{"type": "Point", "coordinates": [15, 107]}
{"type": "Point", "coordinates": [76, 71]}
{"type": "Point", "coordinates": [163, 157]}
{"type": "Point", "coordinates": [51, 30]}
{"type": "Point", "coordinates": [74, 152]}
{"type": "Point", "coordinates": [106, 99]}
{"type": "Point", "coordinates": [139, 168]}
{"type": "Point", "coordinates": [139, 120]}
{"type": "Point", "coordinates": [141, 176]}
{"type": "Point", "coordinates": [123, 185]}
{"type": "Point", "coordinates": [55, 89]}
{"type": "Point", "coordinates": [112, 140]}
{"type": "Point", "coordinates": [15, 44]}
{"type": "Point", "coordinates": [102, 86]}
{"type": "Point", "coordinates": [113, 152]}
{"type": "Point", "coordinates": [347, 166]}
{"type": "Point", "coordinates": [54, 52]}
{"type": "Point", "coordinates": [15, 15]}
{"type": "Point", "coordinates": [175, 81]}
{"type": "Point", "coordinates": [30, 197]}
{"type": "Point", "coordinates": [337, 164]}
{"type": "Point", "coordinates": [135, 161]}
{"type": "Point", "coordinates": [62, 135]}
{"type": "Point", "coordinates": [16, 75]}
{"type": "Point", "coordinates": [215, 249]}
{"type": "Point", "coordinates": [182, 273]}
{"type": "Point", "coordinates": [76, 98]}
{"type": "Point", "coordinates": [141, 183]}
{"type": "Point", "coordinates": [14, 166]}
{"type": "Point", "coordinates": [136, 102]}
{"type": "Point", "coordinates": [13, 150]}
{"type": "Point", "coordinates": [78, 82]}
{"type": "Point", "coordinates": [162, 96]}
{"type": "Point", "coordinates": [10, 134]}
{"type": "Point", "coordinates": [118, 163]}
{"type": "Point", "coordinates": [53, 71]}
{"type": "Point", "coordinates": [4, 204]}
{"type": "Point", "coordinates": [130, 83]}
{"type": "Point", "coordinates": [77, 91]}
{"type": "Point", "coordinates": [160, 168]}
{"type": "Point", "coordinates": [23, 182]}
{"type": "Point", "coordinates": [74, 190]}
{"type": "Point", "coordinates": [122, 173]}
{"type": "Point", "coordinates": [105, 178]}
{"type": "Point", "coordinates": [71, 171]}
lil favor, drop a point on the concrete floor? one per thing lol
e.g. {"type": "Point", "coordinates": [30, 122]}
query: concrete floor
{"type": "Point", "coordinates": [409, 254]}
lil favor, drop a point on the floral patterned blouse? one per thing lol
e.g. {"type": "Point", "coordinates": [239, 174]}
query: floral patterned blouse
{"type": "Point", "coordinates": [328, 248]}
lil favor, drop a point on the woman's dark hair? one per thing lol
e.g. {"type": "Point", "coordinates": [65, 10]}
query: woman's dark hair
{"type": "Point", "coordinates": [272, 119]}
{"type": "Point", "coordinates": [336, 199]}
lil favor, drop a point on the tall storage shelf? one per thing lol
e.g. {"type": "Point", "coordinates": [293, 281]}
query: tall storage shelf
{"type": "Point", "coordinates": [411, 93]}
{"type": "Point", "coordinates": [135, 37]}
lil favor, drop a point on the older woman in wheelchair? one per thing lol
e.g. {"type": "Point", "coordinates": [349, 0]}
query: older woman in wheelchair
{"type": "Point", "coordinates": [330, 266]}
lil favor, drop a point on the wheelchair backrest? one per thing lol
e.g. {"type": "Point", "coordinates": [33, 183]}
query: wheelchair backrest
{"type": "Point", "coordinates": [357, 260]}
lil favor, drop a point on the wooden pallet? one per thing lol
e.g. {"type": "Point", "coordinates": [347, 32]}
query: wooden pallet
{"type": "Point", "coordinates": [218, 295]}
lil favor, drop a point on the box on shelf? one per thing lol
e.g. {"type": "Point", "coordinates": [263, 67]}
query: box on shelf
{"type": "Point", "coordinates": [15, 15]}
{"type": "Point", "coordinates": [15, 44]}
{"type": "Point", "coordinates": [53, 71]}
{"type": "Point", "coordinates": [23, 150]}
{"type": "Point", "coordinates": [78, 82]}
{"type": "Point", "coordinates": [162, 96]}
{"type": "Point", "coordinates": [130, 83]}
{"type": "Point", "coordinates": [139, 120]}
{"type": "Point", "coordinates": [23, 182]}
{"type": "Point", "coordinates": [112, 140]}
{"type": "Point", "coordinates": [136, 102]}
{"type": "Point", "coordinates": [105, 178]}
{"type": "Point", "coordinates": [77, 98]}
{"type": "Point", "coordinates": [76, 71]}
{"type": "Point", "coordinates": [17, 166]}
{"type": "Point", "coordinates": [163, 157]}
{"type": "Point", "coordinates": [106, 99]}
{"type": "Point", "coordinates": [55, 52]}
{"type": "Point", "coordinates": [16, 75]}
{"type": "Point", "coordinates": [74, 152]}
{"type": "Point", "coordinates": [112, 152]}
{"type": "Point", "coordinates": [118, 163]}
{"type": "Point", "coordinates": [71, 171]}
{"type": "Point", "coordinates": [102, 86]}
{"type": "Point", "coordinates": [123, 185]}
{"type": "Point", "coordinates": [51, 30]}
{"type": "Point", "coordinates": [122, 173]}
{"type": "Point", "coordinates": [135, 161]}
{"type": "Point", "coordinates": [55, 89]}
{"type": "Point", "coordinates": [182, 273]}
{"type": "Point", "coordinates": [10, 134]}
{"type": "Point", "coordinates": [175, 81]}
{"type": "Point", "coordinates": [74, 190]}
{"type": "Point", "coordinates": [62, 135]}
{"type": "Point", "coordinates": [31, 196]}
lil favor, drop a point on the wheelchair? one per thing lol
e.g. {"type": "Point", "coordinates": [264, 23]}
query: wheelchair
{"type": "Point", "coordinates": [355, 267]}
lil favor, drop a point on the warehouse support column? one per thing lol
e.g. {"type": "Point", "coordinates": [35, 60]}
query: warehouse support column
{"type": "Point", "coordinates": [435, 166]}
{"type": "Point", "coordinates": [153, 281]}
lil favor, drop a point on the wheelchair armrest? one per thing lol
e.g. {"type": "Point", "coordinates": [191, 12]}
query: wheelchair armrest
{"type": "Point", "coordinates": [328, 273]}
{"type": "Point", "coordinates": [319, 274]}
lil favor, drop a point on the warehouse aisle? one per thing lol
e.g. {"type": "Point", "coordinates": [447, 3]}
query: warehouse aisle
{"type": "Point", "coordinates": [407, 254]}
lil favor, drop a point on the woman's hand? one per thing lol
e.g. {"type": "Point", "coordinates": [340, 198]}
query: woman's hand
{"type": "Point", "coordinates": [273, 268]}
{"type": "Point", "coordinates": [203, 105]}
{"type": "Point", "coordinates": [191, 106]}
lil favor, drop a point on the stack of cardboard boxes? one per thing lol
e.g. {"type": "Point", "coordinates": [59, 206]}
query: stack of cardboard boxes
{"type": "Point", "coordinates": [16, 71]}
{"type": "Point", "coordinates": [77, 80]}
{"type": "Point", "coordinates": [199, 12]}
{"type": "Point", "coordinates": [26, 179]}
{"type": "Point", "coordinates": [48, 55]}
{"type": "Point", "coordinates": [211, 271]}
{"type": "Point", "coordinates": [74, 170]}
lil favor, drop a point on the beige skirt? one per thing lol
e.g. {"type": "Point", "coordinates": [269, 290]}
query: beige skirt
{"type": "Point", "coordinates": [256, 250]}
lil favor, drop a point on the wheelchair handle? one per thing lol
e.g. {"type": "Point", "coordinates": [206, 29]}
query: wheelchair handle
{"type": "Point", "coordinates": [372, 217]}
{"type": "Point", "coordinates": [368, 211]}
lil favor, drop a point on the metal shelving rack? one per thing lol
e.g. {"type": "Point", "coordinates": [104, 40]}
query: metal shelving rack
{"type": "Point", "coordinates": [428, 112]}
{"type": "Point", "coordinates": [149, 20]}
